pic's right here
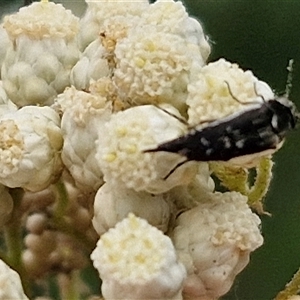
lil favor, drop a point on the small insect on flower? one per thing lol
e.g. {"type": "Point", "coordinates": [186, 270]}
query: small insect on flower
{"type": "Point", "coordinates": [260, 129]}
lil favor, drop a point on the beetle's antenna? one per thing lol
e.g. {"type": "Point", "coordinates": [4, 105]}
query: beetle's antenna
{"type": "Point", "coordinates": [257, 94]}
{"type": "Point", "coordinates": [175, 168]}
{"type": "Point", "coordinates": [289, 80]}
{"type": "Point", "coordinates": [231, 93]}
{"type": "Point", "coordinates": [235, 98]}
{"type": "Point", "coordinates": [181, 119]}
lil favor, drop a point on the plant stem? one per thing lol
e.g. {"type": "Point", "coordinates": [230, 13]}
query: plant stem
{"type": "Point", "coordinates": [62, 200]}
{"type": "Point", "coordinates": [68, 285]}
{"type": "Point", "coordinates": [14, 239]}
{"type": "Point", "coordinates": [261, 184]}
{"type": "Point", "coordinates": [58, 221]}
{"type": "Point", "coordinates": [64, 227]}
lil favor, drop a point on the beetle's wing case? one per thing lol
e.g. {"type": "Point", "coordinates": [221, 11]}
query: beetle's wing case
{"type": "Point", "coordinates": [256, 129]}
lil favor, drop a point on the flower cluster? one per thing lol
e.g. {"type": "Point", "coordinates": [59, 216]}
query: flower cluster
{"type": "Point", "coordinates": [82, 101]}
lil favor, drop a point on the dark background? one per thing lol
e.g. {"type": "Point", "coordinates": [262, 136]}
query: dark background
{"type": "Point", "coordinates": [261, 36]}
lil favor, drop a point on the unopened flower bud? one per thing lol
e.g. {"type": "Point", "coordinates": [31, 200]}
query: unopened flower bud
{"type": "Point", "coordinates": [38, 63]}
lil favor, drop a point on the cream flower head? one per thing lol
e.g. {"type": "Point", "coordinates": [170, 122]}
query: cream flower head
{"type": "Point", "coordinates": [121, 144]}
{"type": "Point", "coordinates": [214, 241]}
{"type": "Point", "coordinates": [160, 55]}
{"type": "Point", "coordinates": [171, 16]}
{"type": "Point", "coordinates": [98, 12]}
{"type": "Point", "coordinates": [154, 67]}
{"type": "Point", "coordinates": [137, 261]}
{"type": "Point", "coordinates": [37, 64]}
{"type": "Point", "coordinates": [30, 147]}
{"type": "Point", "coordinates": [214, 94]}
{"type": "Point", "coordinates": [84, 114]}
{"type": "Point", "coordinates": [42, 20]}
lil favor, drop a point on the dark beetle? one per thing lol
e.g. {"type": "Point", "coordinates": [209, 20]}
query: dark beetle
{"type": "Point", "coordinates": [263, 126]}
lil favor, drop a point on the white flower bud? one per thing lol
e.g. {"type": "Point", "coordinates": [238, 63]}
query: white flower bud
{"type": "Point", "coordinates": [44, 49]}
{"type": "Point", "coordinates": [153, 67]}
{"type": "Point", "coordinates": [214, 241]}
{"type": "Point", "coordinates": [30, 148]}
{"type": "Point", "coordinates": [113, 204]}
{"type": "Point", "coordinates": [121, 145]}
{"type": "Point", "coordinates": [36, 263]}
{"type": "Point", "coordinates": [83, 117]}
{"type": "Point", "coordinates": [11, 286]}
{"type": "Point", "coordinates": [137, 261]}
{"type": "Point", "coordinates": [36, 223]}
{"type": "Point", "coordinates": [170, 16]}
{"type": "Point", "coordinates": [92, 65]}
{"type": "Point", "coordinates": [213, 94]}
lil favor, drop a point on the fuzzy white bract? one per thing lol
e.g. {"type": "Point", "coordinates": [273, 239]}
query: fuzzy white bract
{"type": "Point", "coordinates": [92, 65]}
{"type": "Point", "coordinates": [6, 105]}
{"type": "Point", "coordinates": [149, 270]}
{"type": "Point", "coordinates": [113, 205]}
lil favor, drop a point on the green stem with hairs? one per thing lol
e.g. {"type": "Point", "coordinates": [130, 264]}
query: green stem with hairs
{"type": "Point", "coordinates": [262, 182]}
